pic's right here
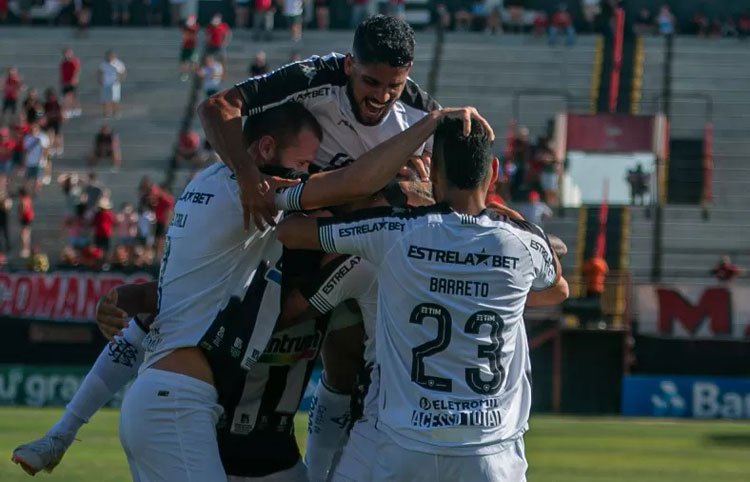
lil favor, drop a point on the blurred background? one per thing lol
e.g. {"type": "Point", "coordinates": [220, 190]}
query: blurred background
{"type": "Point", "coordinates": [622, 128]}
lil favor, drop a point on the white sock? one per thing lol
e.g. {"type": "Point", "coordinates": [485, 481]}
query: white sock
{"type": "Point", "coordinates": [116, 365]}
{"type": "Point", "coordinates": [327, 429]}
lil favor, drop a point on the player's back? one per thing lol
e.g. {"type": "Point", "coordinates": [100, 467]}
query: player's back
{"type": "Point", "coordinates": [450, 338]}
{"type": "Point", "coordinates": [208, 258]}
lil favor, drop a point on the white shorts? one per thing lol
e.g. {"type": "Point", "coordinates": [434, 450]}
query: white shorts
{"type": "Point", "coordinates": [298, 473]}
{"type": "Point", "coordinates": [355, 461]}
{"type": "Point", "coordinates": [111, 93]}
{"type": "Point", "coordinates": [168, 429]}
{"type": "Point", "coordinates": [395, 463]}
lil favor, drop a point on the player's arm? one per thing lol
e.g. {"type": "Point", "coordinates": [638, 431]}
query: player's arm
{"type": "Point", "coordinates": [118, 305]}
{"type": "Point", "coordinates": [548, 286]}
{"type": "Point", "coordinates": [374, 169]}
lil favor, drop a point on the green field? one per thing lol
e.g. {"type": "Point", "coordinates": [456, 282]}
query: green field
{"type": "Point", "coordinates": [559, 449]}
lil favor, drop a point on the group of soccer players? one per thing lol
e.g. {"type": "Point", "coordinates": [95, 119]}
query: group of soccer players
{"type": "Point", "coordinates": [415, 311]}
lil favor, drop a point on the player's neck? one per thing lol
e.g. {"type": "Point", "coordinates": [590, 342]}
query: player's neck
{"type": "Point", "coordinates": [465, 201]}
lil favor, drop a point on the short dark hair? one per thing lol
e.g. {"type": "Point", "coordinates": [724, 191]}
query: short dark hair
{"type": "Point", "coordinates": [283, 122]}
{"type": "Point", "coordinates": [463, 160]}
{"type": "Point", "coordinates": [387, 40]}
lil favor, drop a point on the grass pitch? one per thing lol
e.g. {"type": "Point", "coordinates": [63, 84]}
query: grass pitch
{"type": "Point", "coordinates": [559, 448]}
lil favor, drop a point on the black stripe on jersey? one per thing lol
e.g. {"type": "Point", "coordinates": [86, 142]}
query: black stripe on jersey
{"type": "Point", "coordinates": [260, 93]}
{"type": "Point", "coordinates": [385, 212]}
{"type": "Point", "coordinates": [415, 97]}
{"type": "Point", "coordinates": [310, 288]}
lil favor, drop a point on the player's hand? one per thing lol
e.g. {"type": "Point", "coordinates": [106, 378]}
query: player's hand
{"type": "Point", "coordinates": [503, 209]}
{"type": "Point", "coordinates": [558, 245]}
{"type": "Point", "coordinates": [417, 167]}
{"type": "Point", "coordinates": [109, 318]}
{"type": "Point", "coordinates": [257, 205]}
{"type": "Point", "coordinates": [467, 114]}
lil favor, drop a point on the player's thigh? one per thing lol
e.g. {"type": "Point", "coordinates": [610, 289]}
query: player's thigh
{"type": "Point", "coordinates": [343, 348]}
{"type": "Point", "coordinates": [509, 465]}
{"type": "Point", "coordinates": [355, 461]}
{"type": "Point", "coordinates": [393, 463]}
{"type": "Point", "coordinates": [168, 428]}
{"type": "Point", "coordinates": [298, 473]}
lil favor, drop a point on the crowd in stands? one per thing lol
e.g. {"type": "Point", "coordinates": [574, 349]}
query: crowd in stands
{"type": "Point", "coordinates": [98, 236]}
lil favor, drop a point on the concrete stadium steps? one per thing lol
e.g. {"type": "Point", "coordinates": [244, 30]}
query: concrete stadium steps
{"type": "Point", "coordinates": [717, 67]}
{"type": "Point", "coordinates": [692, 245]}
{"type": "Point", "coordinates": [486, 71]}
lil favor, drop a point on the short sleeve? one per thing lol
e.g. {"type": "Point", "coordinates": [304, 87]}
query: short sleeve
{"type": "Point", "coordinates": [368, 233]}
{"type": "Point", "coordinates": [345, 278]}
{"type": "Point", "coordinates": [542, 259]}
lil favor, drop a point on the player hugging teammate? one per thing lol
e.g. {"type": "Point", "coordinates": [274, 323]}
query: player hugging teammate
{"type": "Point", "coordinates": [430, 348]}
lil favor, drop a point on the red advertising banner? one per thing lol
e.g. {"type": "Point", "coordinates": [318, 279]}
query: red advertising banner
{"type": "Point", "coordinates": [690, 311]}
{"type": "Point", "coordinates": [610, 133]}
{"type": "Point", "coordinates": [61, 295]}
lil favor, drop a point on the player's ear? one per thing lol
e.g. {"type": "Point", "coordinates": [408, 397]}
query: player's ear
{"type": "Point", "coordinates": [266, 148]}
{"type": "Point", "coordinates": [348, 62]}
{"type": "Point", "coordinates": [494, 166]}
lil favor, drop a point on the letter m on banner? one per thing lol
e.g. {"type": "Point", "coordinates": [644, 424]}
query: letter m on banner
{"type": "Point", "coordinates": [714, 305]}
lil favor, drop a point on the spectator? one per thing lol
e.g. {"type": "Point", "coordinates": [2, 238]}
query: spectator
{"type": "Point", "coordinates": [36, 149]}
{"type": "Point", "coordinates": [639, 184]}
{"type": "Point", "coordinates": [241, 13]}
{"type": "Point", "coordinates": [71, 191]}
{"type": "Point", "coordinates": [69, 258]}
{"type": "Point", "coordinates": [111, 74]}
{"type": "Point", "coordinates": [644, 22]}
{"type": "Point", "coordinates": [5, 206]}
{"type": "Point", "coordinates": [494, 20]}
{"type": "Point", "coordinates": [478, 15]}
{"type": "Point", "coordinates": [75, 227]}
{"type": "Point", "coordinates": [725, 271]}
{"type": "Point", "coordinates": [218, 36]}
{"type": "Point", "coordinates": [120, 258]}
{"type": "Point", "coordinates": [83, 16]}
{"type": "Point", "coordinates": [38, 262]}
{"type": "Point", "coordinates": [120, 11]}
{"type": "Point", "coordinates": [294, 56]}
{"type": "Point", "coordinates": [163, 204]}
{"type": "Point", "coordinates": [535, 210]}
{"type": "Point", "coordinates": [259, 66]}
{"type": "Point", "coordinates": [665, 21]}
{"type": "Point", "coordinates": [7, 148]}
{"type": "Point", "coordinates": [19, 133]}
{"type": "Point", "coordinates": [188, 54]}
{"type": "Point", "coordinates": [188, 148]}
{"type": "Point", "coordinates": [53, 118]}
{"type": "Point", "coordinates": [263, 13]}
{"type": "Point", "coordinates": [70, 72]}
{"type": "Point", "coordinates": [12, 87]}
{"type": "Point", "coordinates": [562, 23]}
{"type": "Point", "coordinates": [515, 12]}
{"type": "Point", "coordinates": [700, 25]}
{"type": "Point", "coordinates": [359, 12]}
{"type": "Point", "coordinates": [322, 14]}
{"type": "Point", "coordinates": [102, 223]}
{"type": "Point", "coordinates": [33, 110]}
{"type": "Point", "coordinates": [145, 224]}
{"type": "Point", "coordinates": [594, 272]}
{"type": "Point", "coordinates": [175, 11]}
{"type": "Point", "coordinates": [591, 9]}
{"type": "Point", "coordinates": [550, 177]}
{"type": "Point", "coordinates": [743, 25]}
{"type": "Point", "coordinates": [293, 10]}
{"type": "Point", "coordinates": [540, 26]}
{"type": "Point", "coordinates": [212, 72]}
{"type": "Point", "coordinates": [397, 9]}
{"type": "Point", "coordinates": [126, 225]}
{"type": "Point", "coordinates": [106, 146]}
{"type": "Point", "coordinates": [25, 218]}
{"type": "Point", "coordinates": [93, 191]}
{"type": "Point", "coordinates": [729, 27]}
{"type": "Point", "coordinates": [3, 14]}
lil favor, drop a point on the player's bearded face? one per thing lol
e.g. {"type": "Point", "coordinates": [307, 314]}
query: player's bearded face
{"type": "Point", "coordinates": [373, 88]}
{"type": "Point", "coordinates": [299, 155]}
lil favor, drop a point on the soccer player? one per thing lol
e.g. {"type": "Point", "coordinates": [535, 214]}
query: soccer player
{"type": "Point", "coordinates": [454, 392]}
{"type": "Point", "coordinates": [360, 100]}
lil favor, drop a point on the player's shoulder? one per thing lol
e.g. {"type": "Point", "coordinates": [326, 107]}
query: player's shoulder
{"type": "Point", "coordinates": [428, 213]}
{"type": "Point", "coordinates": [415, 100]}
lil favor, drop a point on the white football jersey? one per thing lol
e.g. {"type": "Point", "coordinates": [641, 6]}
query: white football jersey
{"type": "Point", "coordinates": [209, 260]}
{"type": "Point", "coordinates": [450, 338]}
{"type": "Point", "coordinates": [320, 84]}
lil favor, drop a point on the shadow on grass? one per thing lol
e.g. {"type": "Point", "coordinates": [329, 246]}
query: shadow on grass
{"type": "Point", "coordinates": [729, 439]}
